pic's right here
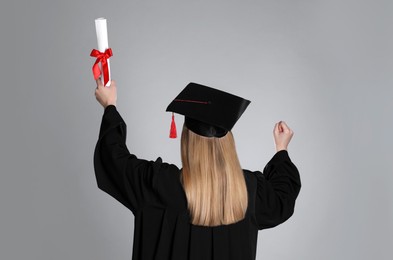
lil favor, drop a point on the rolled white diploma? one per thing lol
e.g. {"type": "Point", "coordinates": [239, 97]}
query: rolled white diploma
{"type": "Point", "coordinates": [102, 40]}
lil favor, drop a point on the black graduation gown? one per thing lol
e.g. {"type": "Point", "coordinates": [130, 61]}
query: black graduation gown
{"type": "Point", "coordinates": [153, 192]}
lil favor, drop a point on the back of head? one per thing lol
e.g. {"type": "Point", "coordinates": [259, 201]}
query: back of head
{"type": "Point", "coordinates": [212, 179]}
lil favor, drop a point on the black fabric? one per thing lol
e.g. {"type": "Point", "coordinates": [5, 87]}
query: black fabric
{"type": "Point", "coordinates": [209, 106]}
{"type": "Point", "coordinates": [204, 129]}
{"type": "Point", "coordinates": [153, 192]}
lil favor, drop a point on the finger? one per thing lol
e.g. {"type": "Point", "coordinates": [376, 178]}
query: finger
{"type": "Point", "coordinates": [285, 127]}
{"type": "Point", "coordinates": [280, 128]}
{"type": "Point", "coordinates": [99, 82]}
{"type": "Point", "coordinates": [276, 130]}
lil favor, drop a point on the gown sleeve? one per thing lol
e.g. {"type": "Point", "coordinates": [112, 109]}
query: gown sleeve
{"type": "Point", "coordinates": [277, 190]}
{"type": "Point", "coordinates": [119, 173]}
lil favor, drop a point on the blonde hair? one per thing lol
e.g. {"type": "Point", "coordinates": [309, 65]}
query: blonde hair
{"type": "Point", "coordinates": [212, 179]}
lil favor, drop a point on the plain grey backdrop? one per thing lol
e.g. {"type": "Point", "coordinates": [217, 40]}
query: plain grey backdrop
{"type": "Point", "coordinates": [325, 67]}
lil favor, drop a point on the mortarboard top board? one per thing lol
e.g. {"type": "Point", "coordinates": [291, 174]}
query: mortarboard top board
{"type": "Point", "coordinates": [208, 112]}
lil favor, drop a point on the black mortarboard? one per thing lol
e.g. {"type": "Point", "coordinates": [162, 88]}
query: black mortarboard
{"type": "Point", "coordinates": [208, 112]}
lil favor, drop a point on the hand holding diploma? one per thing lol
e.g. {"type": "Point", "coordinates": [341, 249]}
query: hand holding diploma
{"type": "Point", "coordinates": [104, 95]}
{"type": "Point", "coordinates": [103, 53]}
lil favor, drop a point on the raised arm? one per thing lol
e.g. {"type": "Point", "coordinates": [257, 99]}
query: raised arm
{"type": "Point", "coordinates": [279, 185]}
{"type": "Point", "coordinates": [118, 172]}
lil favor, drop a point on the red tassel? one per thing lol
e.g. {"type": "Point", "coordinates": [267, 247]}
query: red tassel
{"type": "Point", "coordinates": [173, 133]}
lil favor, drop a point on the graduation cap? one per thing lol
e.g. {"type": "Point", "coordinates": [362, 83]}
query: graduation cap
{"type": "Point", "coordinates": [208, 112]}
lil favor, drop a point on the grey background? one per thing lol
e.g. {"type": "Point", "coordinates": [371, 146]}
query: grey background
{"type": "Point", "coordinates": [325, 67]}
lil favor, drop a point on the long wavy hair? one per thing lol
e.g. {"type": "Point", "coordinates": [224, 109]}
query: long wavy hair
{"type": "Point", "coordinates": [212, 179]}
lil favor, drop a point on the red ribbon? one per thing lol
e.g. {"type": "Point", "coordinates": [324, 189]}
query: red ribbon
{"type": "Point", "coordinates": [103, 58]}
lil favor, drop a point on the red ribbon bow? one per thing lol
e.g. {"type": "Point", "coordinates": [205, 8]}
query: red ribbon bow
{"type": "Point", "coordinates": [103, 58]}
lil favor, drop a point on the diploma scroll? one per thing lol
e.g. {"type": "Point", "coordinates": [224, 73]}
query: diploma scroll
{"type": "Point", "coordinates": [105, 51]}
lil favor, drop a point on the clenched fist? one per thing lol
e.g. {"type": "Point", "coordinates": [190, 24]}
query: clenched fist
{"type": "Point", "coordinates": [282, 136]}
